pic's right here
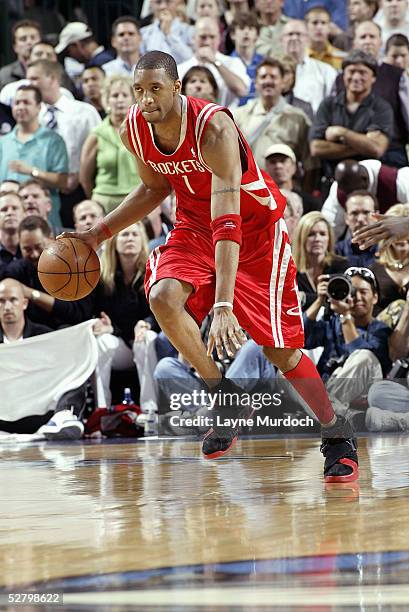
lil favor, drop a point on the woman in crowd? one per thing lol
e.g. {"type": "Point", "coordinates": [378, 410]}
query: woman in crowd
{"type": "Point", "coordinates": [108, 171]}
{"type": "Point", "coordinates": [290, 68]}
{"type": "Point", "coordinates": [313, 250]}
{"type": "Point", "coordinates": [199, 82]}
{"type": "Point", "coordinates": [392, 268]}
{"type": "Point", "coordinates": [123, 329]}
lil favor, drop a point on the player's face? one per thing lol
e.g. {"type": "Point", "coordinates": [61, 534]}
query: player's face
{"type": "Point", "coordinates": [317, 240]}
{"type": "Point", "coordinates": [199, 86]}
{"type": "Point", "coordinates": [129, 241]}
{"type": "Point", "coordinates": [32, 244]}
{"type": "Point", "coordinates": [86, 215]}
{"type": "Point", "coordinates": [280, 167]}
{"type": "Point", "coordinates": [11, 213]}
{"type": "Point", "coordinates": [155, 93]}
{"type": "Point", "coordinates": [398, 56]}
{"type": "Point", "coordinates": [368, 38]}
{"type": "Point", "coordinates": [35, 201]}
{"type": "Point", "coordinates": [12, 303]}
{"type": "Point", "coordinates": [359, 211]}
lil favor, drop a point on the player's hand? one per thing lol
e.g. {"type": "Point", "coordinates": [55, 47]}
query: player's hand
{"type": "Point", "coordinates": [342, 306]}
{"type": "Point", "coordinates": [225, 333]}
{"type": "Point", "coordinates": [103, 325]}
{"type": "Point", "coordinates": [140, 330]}
{"type": "Point", "coordinates": [89, 237]}
{"type": "Point", "coordinates": [386, 228]}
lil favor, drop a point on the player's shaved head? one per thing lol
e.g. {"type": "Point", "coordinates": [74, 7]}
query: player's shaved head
{"type": "Point", "coordinates": [157, 60]}
{"type": "Point", "coordinates": [11, 283]}
{"type": "Point", "coordinates": [351, 176]}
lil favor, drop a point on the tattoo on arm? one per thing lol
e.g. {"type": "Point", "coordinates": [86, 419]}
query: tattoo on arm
{"type": "Point", "coordinates": [226, 190]}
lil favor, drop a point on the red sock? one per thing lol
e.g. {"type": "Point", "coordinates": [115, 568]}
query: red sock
{"type": "Point", "coordinates": [306, 380]}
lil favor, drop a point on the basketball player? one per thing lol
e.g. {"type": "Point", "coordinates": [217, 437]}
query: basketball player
{"type": "Point", "coordinates": [229, 250]}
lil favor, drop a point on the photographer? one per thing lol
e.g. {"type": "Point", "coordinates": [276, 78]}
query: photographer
{"type": "Point", "coordinates": [354, 342]}
{"type": "Point", "coordinates": [389, 400]}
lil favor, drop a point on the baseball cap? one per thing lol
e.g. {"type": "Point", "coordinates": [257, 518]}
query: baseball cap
{"type": "Point", "coordinates": [74, 31]}
{"type": "Point", "coordinates": [280, 149]}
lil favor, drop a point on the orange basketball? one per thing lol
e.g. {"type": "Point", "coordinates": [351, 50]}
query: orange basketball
{"type": "Point", "coordinates": [68, 269]}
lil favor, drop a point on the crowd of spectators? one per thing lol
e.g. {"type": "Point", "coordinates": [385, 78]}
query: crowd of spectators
{"type": "Point", "coordinates": [319, 88]}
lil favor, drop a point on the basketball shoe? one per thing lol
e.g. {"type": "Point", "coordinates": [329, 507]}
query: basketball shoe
{"type": "Point", "coordinates": [339, 449]}
{"type": "Point", "coordinates": [223, 434]}
{"type": "Point", "coordinates": [63, 425]}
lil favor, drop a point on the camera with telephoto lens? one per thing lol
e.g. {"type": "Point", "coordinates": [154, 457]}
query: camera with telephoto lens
{"type": "Point", "coordinates": [340, 287]}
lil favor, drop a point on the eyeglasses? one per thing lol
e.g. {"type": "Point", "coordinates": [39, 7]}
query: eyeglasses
{"type": "Point", "coordinates": [363, 273]}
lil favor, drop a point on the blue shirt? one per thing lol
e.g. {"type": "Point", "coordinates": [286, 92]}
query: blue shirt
{"type": "Point", "coordinates": [337, 9]}
{"type": "Point", "coordinates": [45, 150]}
{"type": "Point", "coordinates": [251, 71]}
{"type": "Point", "coordinates": [329, 335]}
{"type": "Point", "coordinates": [353, 253]}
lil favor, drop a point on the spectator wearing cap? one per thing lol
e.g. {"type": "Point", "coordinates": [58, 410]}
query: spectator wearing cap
{"type": "Point", "coordinates": [244, 30]}
{"type": "Point", "coordinates": [269, 119]}
{"type": "Point", "coordinates": [272, 21]}
{"type": "Point", "coordinates": [314, 79]}
{"type": "Point", "coordinates": [392, 85]}
{"type": "Point", "coordinates": [360, 207]}
{"type": "Point", "coordinates": [318, 21]}
{"type": "Point", "coordinates": [356, 123]}
{"type": "Point", "coordinates": [25, 34]}
{"type": "Point", "coordinates": [77, 40]}
{"type": "Point", "coordinates": [126, 40]}
{"type": "Point", "coordinates": [167, 32]}
{"type": "Point", "coordinates": [354, 341]}
{"type": "Point", "coordinates": [281, 165]}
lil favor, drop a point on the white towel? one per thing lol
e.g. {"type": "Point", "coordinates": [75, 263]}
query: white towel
{"type": "Point", "coordinates": [36, 372]}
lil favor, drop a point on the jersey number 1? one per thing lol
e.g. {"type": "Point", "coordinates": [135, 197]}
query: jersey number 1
{"type": "Point", "coordinates": [188, 185]}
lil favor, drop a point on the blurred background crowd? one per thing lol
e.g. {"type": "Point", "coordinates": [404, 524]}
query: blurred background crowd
{"type": "Point", "coordinates": [319, 88]}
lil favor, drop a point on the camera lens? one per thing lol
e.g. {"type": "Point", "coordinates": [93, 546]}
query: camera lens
{"type": "Point", "coordinates": [339, 287]}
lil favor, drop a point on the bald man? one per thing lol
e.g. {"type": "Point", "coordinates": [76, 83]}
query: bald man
{"type": "Point", "coordinates": [13, 323]}
{"type": "Point", "coordinates": [15, 327]}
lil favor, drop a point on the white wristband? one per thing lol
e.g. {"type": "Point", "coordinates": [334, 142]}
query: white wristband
{"type": "Point", "coordinates": [222, 304]}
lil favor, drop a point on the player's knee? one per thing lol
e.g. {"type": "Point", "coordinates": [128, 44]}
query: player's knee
{"type": "Point", "coordinates": [165, 298]}
{"type": "Point", "coordinates": [284, 359]}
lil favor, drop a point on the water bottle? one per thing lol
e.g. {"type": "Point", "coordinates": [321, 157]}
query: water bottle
{"type": "Point", "coordinates": [128, 400]}
{"type": "Point", "coordinates": [151, 427]}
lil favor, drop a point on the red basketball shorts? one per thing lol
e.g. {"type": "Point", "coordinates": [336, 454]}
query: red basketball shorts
{"type": "Point", "coordinates": [266, 300]}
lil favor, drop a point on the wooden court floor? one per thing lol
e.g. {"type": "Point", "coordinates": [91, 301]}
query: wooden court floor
{"type": "Point", "coordinates": [149, 524]}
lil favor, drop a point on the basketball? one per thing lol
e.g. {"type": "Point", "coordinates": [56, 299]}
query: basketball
{"type": "Point", "coordinates": [68, 269]}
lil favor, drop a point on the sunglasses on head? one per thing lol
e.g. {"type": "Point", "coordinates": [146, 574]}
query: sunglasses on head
{"type": "Point", "coordinates": [363, 273]}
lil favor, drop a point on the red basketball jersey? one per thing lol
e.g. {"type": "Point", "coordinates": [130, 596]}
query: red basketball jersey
{"type": "Point", "coordinates": [262, 204]}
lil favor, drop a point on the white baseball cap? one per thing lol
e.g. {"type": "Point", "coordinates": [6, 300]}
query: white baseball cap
{"type": "Point", "coordinates": [73, 32]}
{"type": "Point", "coordinates": [280, 149]}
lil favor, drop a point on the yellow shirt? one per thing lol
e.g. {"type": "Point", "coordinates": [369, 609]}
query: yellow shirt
{"type": "Point", "coordinates": [331, 55]}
